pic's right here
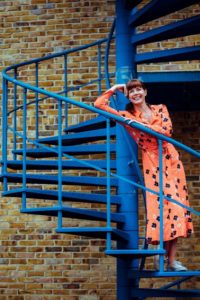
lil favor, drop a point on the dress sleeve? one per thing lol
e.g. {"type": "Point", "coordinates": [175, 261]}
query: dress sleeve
{"type": "Point", "coordinates": [166, 125]}
{"type": "Point", "coordinates": [102, 102]}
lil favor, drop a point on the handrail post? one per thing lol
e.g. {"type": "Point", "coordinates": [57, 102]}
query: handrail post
{"type": "Point", "coordinates": [15, 115]}
{"type": "Point", "coordinates": [60, 163]}
{"type": "Point", "coordinates": [5, 132]}
{"type": "Point", "coordinates": [24, 148]}
{"type": "Point", "coordinates": [66, 89]}
{"type": "Point", "coordinates": [99, 70]}
{"type": "Point", "coordinates": [36, 102]}
{"type": "Point", "coordinates": [160, 150]}
{"type": "Point", "coordinates": [108, 174]}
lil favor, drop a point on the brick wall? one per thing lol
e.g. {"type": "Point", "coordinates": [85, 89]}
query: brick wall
{"type": "Point", "coordinates": [36, 263]}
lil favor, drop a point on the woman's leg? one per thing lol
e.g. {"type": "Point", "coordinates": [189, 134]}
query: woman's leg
{"type": "Point", "coordinates": [167, 247]}
{"type": "Point", "coordinates": [171, 250]}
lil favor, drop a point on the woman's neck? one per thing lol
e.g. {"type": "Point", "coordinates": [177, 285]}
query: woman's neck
{"type": "Point", "coordinates": [142, 108]}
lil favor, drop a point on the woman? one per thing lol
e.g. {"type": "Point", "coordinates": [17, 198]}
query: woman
{"type": "Point", "coordinates": [177, 220]}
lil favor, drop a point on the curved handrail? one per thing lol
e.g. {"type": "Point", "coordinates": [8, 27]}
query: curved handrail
{"type": "Point", "coordinates": [119, 119]}
{"type": "Point", "coordinates": [54, 55]}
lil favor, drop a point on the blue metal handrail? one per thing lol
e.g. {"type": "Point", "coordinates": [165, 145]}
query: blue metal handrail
{"type": "Point", "coordinates": [66, 100]}
{"type": "Point", "coordinates": [108, 116]}
{"type": "Point", "coordinates": [119, 119]}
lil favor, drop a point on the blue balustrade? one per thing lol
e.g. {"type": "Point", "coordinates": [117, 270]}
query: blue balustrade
{"type": "Point", "coordinates": [127, 246]}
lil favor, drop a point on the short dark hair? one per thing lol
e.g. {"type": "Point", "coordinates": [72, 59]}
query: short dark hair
{"type": "Point", "coordinates": [133, 83]}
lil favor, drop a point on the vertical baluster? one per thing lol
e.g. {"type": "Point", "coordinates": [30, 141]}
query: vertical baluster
{"type": "Point", "coordinates": [15, 116]}
{"type": "Point", "coordinates": [66, 89]}
{"type": "Point", "coordinates": [4, 132]}
{"type": "Point", "coordinates": [60, 163]}
{"type": "Point", "coordinates": [24, 148]}
{"type": "Point", "coordinates": [99, 70]}
{"type": "Point", "coordinates": [108, 174]}
{"type": "Point", "coordinates": [36, 102]}
{"type": "Point", "coordinates": [160, 144]}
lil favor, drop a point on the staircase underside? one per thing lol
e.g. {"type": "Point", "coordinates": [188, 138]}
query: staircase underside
{"type": "Point", "coordinates": [165, 293]}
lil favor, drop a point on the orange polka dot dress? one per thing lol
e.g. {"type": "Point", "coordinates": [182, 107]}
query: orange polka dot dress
{"type": "Point", "coordinates": [177, 220]}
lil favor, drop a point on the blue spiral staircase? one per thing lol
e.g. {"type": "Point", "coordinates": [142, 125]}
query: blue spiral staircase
{"type": "Point", "coordinates": [41, 170]}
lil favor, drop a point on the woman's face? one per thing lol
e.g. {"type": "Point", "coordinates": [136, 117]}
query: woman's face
{"type": "Point", "coordinates": [137, 95]}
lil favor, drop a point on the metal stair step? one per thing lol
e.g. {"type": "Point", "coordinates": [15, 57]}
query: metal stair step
{"type": "Point", "coordinates": [175, 29]}
{"type": "Point", "coordinates": [149, 274]}
{"type": "Point", "coordinates": [145, 292]}
{"type": "Point", "coordinates": [187, 53]}
{"type": "Point", "coordinates": [129, 4]}
{"type": "Point", "coordinates": [95, 232]}
{"type": "Point", "coordinates": [53, 179]}
{"type": "Point", "coordinates": [66, 196]}
{"type": "Point", "coordinates": [53, 164]}
{"type": "Point", "coordinates": [79, 137]}
{"type": "Point", "coordinates": [136, 253]}
{"type": "Point", "coordinates": [156, 9]}
{"type": "Point", "coordinates": [78, 213]}
{"type": "Point", "coordinates": [72, 150]}
{"type": "Point", "coordinates": [95, 123]}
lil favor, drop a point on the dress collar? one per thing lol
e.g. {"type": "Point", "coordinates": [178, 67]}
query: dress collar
{"type": "Point", "coordinates": [138, 114]}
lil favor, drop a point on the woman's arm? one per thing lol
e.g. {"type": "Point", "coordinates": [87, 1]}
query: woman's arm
{"type": "Point", "coordinates": [102, 101]}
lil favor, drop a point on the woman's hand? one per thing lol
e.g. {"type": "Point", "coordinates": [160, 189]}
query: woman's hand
{"type": "Point", "coordinates": [119, 87]}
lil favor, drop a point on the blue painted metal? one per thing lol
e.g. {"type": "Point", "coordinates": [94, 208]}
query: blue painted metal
{"type": "Point", "coordinates": [95, 123]}
{"type": "Point", "coordinates": [99, 70]}
{"type": "Point", "coordinates": [79, 150]}
{"type": "Point", "coordinates": [125, 253]}
{"type": "Point", "coordinates": [129, 122]}
{"type": "Point", "coordinates": [149, 274]}
{"type": "Point", "coordinates": [60, 169]}
{"type": "Point", "coordinates": [78, 213]}
{"type": "Point", "coordinates": [53, 179]}
{"type": "Point", "coordinates": [188, 53]}
{"type": "Point", "coordinates": [97, 232]}
{"type": "Point", "coordinates": [189, 26]}
{"type": "Point", "coordinates": [52, 164]}
{"type": "Point", "coordinates": [176, 282]}
{"type": "Point", "coordinates": [108, 185]}
{"type": "Point", "coordinates": [66, 196]}
{"type": "Point", "coordinates": [128, 193]}
{"type": "Point", "coordinates": [161, 200]}
{"type": "Point", "coordinates": [15, 115]}
{"type": "Point", "coordinates": [169, 77]}
{"type": "Point", "coordinates": [65, 57]}
{"type": "Point", "coordinates": [165, 293]}
{"type": "Point", "coordinates": [106, 114]}
{"type": "Point", "coordinates": [82, 137]}
{"type": "Point", "coordinates": [4, 132]}
{"type": "Point", "coordinates": [36, 101]}
{"type": "Point", "coordinates": [131, 4]}
{"type": "Point", "coordinates": [158, 8]}
{"type": "Point", "coordinates": [24, 178]}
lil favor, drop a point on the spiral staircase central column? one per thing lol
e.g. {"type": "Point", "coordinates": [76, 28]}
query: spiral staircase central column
{"type": "Point", "coordinates": [125, 71]}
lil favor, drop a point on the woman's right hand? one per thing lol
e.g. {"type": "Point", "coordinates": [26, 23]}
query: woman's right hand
{"type": "Point", "coordinates": [119, 87]}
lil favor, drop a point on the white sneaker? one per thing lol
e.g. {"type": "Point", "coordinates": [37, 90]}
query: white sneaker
{"type": "Point", "coordinates": [176, 267]}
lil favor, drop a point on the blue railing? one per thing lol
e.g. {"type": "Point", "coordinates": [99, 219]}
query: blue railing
{"type": "Point", "coordinates": [61, 97]}
{"type": "Point", "coordinates": [107, 115]}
